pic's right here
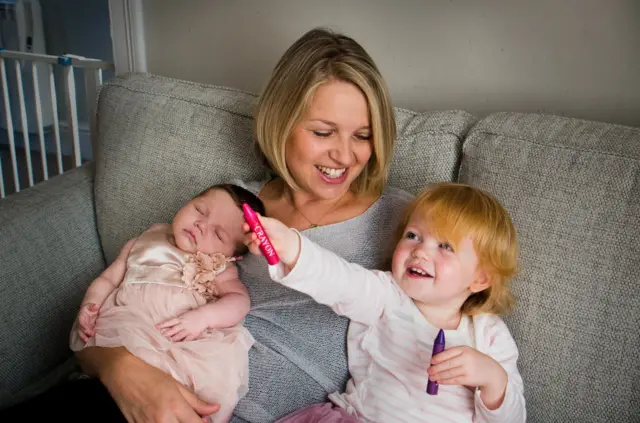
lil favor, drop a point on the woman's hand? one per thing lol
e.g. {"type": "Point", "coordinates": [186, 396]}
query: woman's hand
{"type": "Point", "coordinates": [186, 327]}
{"type": "Point", "coordinates": [469, 367]}
{"type": "Point", "coordinates": [285, 240]}
{"type": "Point", "coordinates": [87, 317]}
{"type": "Point", "coordinates": [144, 393]}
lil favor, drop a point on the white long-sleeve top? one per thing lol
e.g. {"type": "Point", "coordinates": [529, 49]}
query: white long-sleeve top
{"type": "Point", "coordinates": [390, 345]}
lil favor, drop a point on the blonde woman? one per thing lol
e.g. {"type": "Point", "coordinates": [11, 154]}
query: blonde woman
{"type": "Point", "coordinates": [325, 127]}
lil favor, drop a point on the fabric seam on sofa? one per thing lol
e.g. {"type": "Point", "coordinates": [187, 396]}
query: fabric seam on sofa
{"type": "Point", "coordinates": [185, 99]}
{"type": "Point", "coordinates": [584, 150]}
{"type": "Point", "coordinates": [193, 83]}
{"type": "Point", "coordinates": [45, 199]}
{"type": "Point", "coordinates": [432, 131]}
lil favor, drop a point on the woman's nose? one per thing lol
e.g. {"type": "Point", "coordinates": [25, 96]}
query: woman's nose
{"type": "Point", "coordinates": [341, 151]}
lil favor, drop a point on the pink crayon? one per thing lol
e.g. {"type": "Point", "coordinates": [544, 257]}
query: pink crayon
{"type": "Point", "coordinates": [265, 245]}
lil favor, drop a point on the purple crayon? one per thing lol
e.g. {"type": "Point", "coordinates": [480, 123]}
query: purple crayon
{"type": "Point", "coordinates": [438, 347]}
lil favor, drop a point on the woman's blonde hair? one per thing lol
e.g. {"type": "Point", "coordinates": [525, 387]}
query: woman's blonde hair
{"type": "Point", "coordinates": [456, 211]}
{"type": "Point", "coordinates": [317, 57]}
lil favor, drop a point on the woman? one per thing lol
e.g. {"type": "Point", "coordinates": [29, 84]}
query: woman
{"type": "Point", "coordinates": [325, 127]}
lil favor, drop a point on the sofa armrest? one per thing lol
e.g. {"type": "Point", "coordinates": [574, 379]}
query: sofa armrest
{"type": "Point", "coordinates": [50, 252]}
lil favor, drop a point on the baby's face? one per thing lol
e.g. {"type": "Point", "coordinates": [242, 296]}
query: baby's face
{"type": "Point", "coordinates": [211, 223]}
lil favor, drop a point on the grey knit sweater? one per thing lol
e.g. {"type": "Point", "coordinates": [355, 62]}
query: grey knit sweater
{"type": "Point", "coordinates": [300, 351]}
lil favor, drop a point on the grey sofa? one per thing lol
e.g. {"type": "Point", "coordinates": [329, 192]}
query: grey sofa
{"type": "Point", "coordinates": [572, 187]}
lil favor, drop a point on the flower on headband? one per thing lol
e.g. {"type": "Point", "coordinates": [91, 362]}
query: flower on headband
{"type": "Point", "coordinates": [200, 271]}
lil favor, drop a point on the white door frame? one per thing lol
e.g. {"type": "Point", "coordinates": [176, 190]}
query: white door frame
{"type": "Point", "coordinates": [127, 36]}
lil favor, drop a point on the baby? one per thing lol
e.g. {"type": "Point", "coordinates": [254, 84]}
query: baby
{"type": "Point", "coordinates": [454, 257]}
{"type": "Point", "coordinates": [173, 298]}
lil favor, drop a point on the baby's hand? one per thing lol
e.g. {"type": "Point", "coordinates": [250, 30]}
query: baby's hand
{"type": "Point", "coordinates": [285, 240]}
{"type": "Point", "coordinates": [469, 367]}
{"type": "Point", "coordinates": [186, 327]}
{"type": "Point", "coordinates": [87, 317]}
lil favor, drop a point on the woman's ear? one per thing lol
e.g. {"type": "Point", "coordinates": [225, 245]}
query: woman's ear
{"type": "Point", "coordinates": [480, 282]}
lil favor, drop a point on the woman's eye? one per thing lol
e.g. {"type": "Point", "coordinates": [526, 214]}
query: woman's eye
{"type": "Point", "coordinates": [364, 137]}
{"type": "Point", "coordinates": [321, 134]}
{"type": "Point", "coordinates": [199, 210]}
{"type": "Point", "coordinates": [412, 235]}
{"type": "Point", "coordinates": [445, 246]}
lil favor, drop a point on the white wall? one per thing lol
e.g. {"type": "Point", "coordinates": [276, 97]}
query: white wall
{"type": "Point", "coordinates": [578, 58]}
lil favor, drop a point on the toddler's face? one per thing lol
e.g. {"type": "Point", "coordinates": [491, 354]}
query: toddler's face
{"type": "Point", "coordinates": [211, 223]}
{"type": "Point", "coordinates": [429, 270]}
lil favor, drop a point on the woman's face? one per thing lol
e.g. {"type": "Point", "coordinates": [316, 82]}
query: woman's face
{"type": "Point", "coordinates": [331, 144]}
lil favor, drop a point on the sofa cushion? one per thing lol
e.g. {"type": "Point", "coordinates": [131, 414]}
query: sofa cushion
{"type": "Point", "coordinates": [428, 147]}
{"type": "Point", "coordinates": [163, 140]}
{"type": "Point", "coordinates": [573, 189]}
{"type": "Point", "coordinates": [50, 254]}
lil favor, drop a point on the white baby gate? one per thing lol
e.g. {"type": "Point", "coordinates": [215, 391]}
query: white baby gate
{"type": "Point", "coordinates": [41, 66]}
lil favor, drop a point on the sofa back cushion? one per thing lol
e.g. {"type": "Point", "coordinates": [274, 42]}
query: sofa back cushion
{"type": "Point", "coordinates": [573, 190]}
{"type": "Point", "coordinates": [163, 140]}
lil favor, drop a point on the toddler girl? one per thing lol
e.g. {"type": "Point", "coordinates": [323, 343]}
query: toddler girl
{"type": "Point", "coordinates": [450, 270]}
{"type": "Point", "coordinates": [173, 298]}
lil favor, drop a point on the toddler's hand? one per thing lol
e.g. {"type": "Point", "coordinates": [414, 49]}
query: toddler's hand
{"type": "Point", "coordinates": [87, 317]}
{"type": "Point", "coordinates": [284, 239]}
{"type": "Point", "coordinates": [186, 327]}
{"type": "Point", "coordinates": [469, 367]}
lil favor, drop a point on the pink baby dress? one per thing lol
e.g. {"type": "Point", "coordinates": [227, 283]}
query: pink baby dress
{"type": "Point", "coordinates": [215, 366]}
